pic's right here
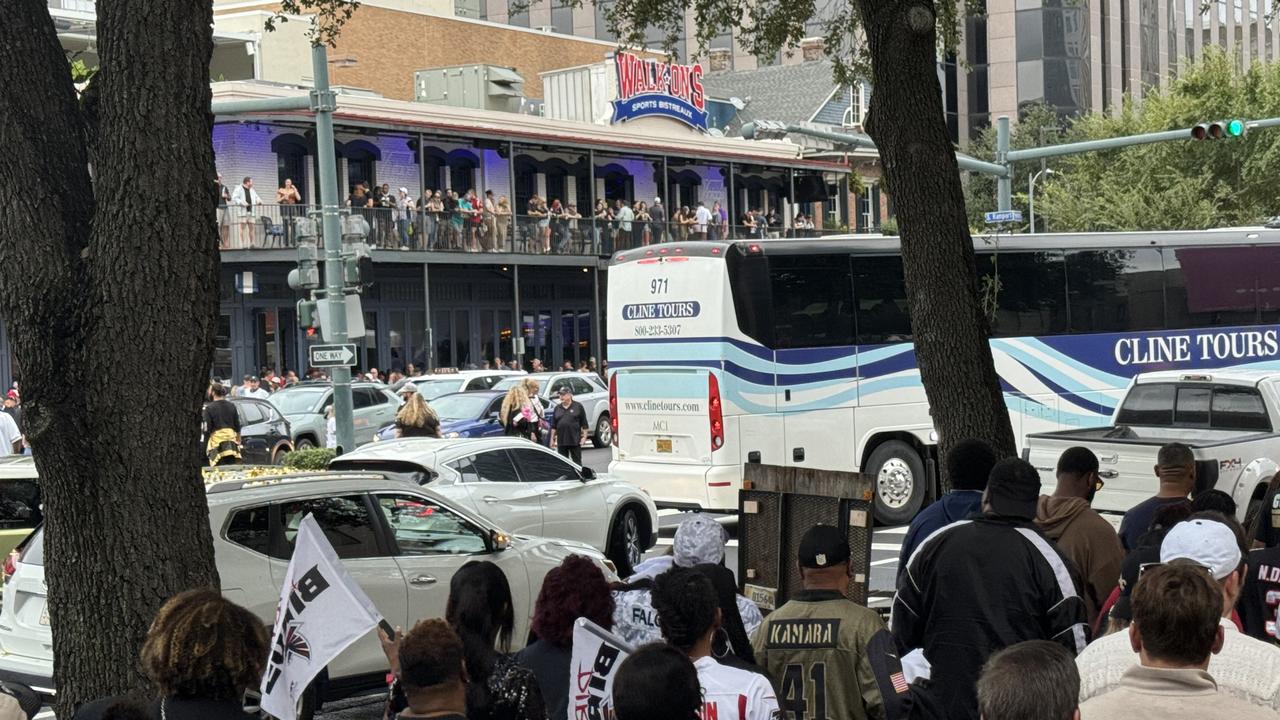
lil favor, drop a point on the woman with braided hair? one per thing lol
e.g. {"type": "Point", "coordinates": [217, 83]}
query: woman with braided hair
{"type": "Point", "coordinates": [689, 615]}
{"type": "Point", "coordinates": [201, 653]}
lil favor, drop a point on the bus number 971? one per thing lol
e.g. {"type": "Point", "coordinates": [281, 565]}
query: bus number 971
{"type": "Point", "coordinates": [658, 286]}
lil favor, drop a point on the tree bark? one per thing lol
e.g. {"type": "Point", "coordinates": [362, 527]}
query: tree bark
{"type": "Point", "coordinates": [112, 302]}
{"type": "Point", "coordinates": [906, 121]}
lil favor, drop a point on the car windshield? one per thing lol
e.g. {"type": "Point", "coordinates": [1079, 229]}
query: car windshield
{"type": "Point", "coordinates": [508, 383]}
{"type": "Point", "coordinates": [432, 389]}
{"type": "Point", "coordinates": [462, 406]}
{"type": "Point", "coordinates": [295, 401]}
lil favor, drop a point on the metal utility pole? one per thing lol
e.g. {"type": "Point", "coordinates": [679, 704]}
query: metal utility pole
{"type": "Point", "coordinates": [1031, 193]}
{"type": "Point", "coordinates": [1004, 183]}
{"type": "Point", "coordinates": [323, 104]}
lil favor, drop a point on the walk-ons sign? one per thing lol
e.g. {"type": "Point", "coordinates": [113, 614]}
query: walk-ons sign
{"type": "Point", "coordinates": [652, 87]}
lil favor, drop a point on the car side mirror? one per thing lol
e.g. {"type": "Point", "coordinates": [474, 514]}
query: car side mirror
{"type": "Point", "coordinates": [498, 541]}
{"type": "Point", "coordinates": [493, 417]}
{"type": "Point", "coordinates": [588, 473]}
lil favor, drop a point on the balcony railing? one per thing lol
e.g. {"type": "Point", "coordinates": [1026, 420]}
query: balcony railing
{"type": "Point", "coordinates": [272, 227]}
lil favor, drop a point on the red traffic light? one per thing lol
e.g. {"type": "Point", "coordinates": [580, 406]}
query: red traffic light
{"type": "Point", "coordinates": [1200, 132]}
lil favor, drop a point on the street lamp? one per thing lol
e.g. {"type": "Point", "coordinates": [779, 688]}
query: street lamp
{"type": "Point", "coordinates": [1031, 194]}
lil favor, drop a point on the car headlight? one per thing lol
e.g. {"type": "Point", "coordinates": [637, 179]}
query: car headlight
{"type": "Point", "coordinates": [452, 435]}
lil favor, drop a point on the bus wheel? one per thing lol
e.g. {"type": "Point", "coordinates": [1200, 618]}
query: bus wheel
{"type": "Point", "coordinates": [899, 478]}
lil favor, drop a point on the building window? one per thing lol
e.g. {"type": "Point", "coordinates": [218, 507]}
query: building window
{"type": "Point", "coordinates": [1149, 50]}
{"type": "Point", "coordinates": [518, 16]}
{"type": "Point", "coordinates": [562, 17]}
{"type": "Point", "coordinates": [1174, 33]}
{"type": "Point", "coordinates": [602, 8]}
{"type": "Point", "coordinates": [1124, 46]}
{"type": "Point", "coordinates": [473, 9]}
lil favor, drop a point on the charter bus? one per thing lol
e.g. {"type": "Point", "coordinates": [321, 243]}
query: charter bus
{"type": "Point", "coordinates": [799, 352]}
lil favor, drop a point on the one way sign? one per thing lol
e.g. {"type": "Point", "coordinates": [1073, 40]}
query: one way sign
{"type": "Point", "coordinates": [333, 355]}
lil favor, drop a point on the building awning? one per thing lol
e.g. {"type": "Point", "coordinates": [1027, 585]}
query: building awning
{"type": "Point", "coordinates": [378, 113]}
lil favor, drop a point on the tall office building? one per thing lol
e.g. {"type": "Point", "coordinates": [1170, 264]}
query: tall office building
{"type": "Point", "coordinates": [1088, 55]}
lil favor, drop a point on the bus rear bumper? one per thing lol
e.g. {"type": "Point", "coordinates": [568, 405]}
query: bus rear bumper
{"type": "Point", "coordinates": [712, 488]}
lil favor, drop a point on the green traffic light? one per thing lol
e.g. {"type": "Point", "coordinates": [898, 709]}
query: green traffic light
{"type": "Point", "coordinates": [1235, 128]}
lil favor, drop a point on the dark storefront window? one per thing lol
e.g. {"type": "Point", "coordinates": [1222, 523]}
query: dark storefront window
{"type": "Point", "coordinates": [222, 348]}
{"type": "Point", "coordinates": [441, 331]}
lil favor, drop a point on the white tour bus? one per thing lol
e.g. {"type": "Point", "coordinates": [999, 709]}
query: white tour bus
{"type": "Point", "coordinates": [798, 352]}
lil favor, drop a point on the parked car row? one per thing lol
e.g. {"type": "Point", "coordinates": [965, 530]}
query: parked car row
{"type": "Point", "coordinates": [398, 536]}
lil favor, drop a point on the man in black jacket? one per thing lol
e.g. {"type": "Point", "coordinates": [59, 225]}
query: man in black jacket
{"type": "Point", "coordinates": [982, 584]}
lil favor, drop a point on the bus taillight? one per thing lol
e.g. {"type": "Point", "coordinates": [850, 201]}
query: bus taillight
{"type": "Point", "coordinates": [717, 416]}
{"type": "Point", "coordinates": [613, 406]}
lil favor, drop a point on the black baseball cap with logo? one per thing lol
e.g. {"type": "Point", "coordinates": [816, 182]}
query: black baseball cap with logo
{"type": "Point", "coordinates": [823, 546]}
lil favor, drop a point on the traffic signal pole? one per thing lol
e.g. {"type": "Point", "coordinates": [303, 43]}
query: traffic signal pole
{"type": "Point", "coordinates": [770, 130]}
{"type": "Point", "coordinates": [1005, 156]}
{"type": "Point", "coordinates": [323, 103]}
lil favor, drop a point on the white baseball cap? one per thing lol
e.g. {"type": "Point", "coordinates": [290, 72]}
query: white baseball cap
{"type": "Point", "coordinates": [1205, 542]}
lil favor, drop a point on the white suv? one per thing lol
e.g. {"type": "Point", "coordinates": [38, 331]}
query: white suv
{"type": "Point", "coordinates": [400, 541]}
{"type": "Point", "coordinates": [522, 487]}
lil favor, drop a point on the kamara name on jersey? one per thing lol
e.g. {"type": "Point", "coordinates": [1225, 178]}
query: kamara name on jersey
{"type": "Point", "coordinates": [806, 633]}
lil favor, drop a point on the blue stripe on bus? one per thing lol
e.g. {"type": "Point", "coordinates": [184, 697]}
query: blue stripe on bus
{"type": "Point", "coordinates": [1073, 397]}
{"type": "Point", "coordinates": [1059, 378]}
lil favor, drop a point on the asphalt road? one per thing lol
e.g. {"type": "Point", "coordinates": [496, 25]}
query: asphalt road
{"type": "Point", "coordinates": [886, 544]}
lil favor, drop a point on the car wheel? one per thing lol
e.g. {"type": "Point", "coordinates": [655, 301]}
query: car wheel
{"type": "Point", "coordinates": [899, 478]}
{"type": "Point", "coordinates": [604, 432]}
{"type": "Point", "coordinates": [305, 444]}
{"type": "Point", "coordinates": [281, 453]}
{"type": "Point", "coordinates": [626, 547]}
{"type": "Point", "coordinates": [1251, 514]}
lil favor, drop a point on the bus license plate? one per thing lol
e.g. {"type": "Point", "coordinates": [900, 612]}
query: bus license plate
{"type": "Point", "coordinates": [663, 445]}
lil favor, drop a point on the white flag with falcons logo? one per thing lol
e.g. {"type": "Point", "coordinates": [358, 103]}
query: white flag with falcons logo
{"type": "Point", "coordinates": [321, 612]}
{"type": "Point", "coordinates": [597, 653]}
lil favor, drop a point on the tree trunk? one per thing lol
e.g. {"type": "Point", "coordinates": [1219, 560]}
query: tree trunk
{"type": "Point", "coordinates": [906, 121]}
{"type": "Point", "coordinates": [112, 303]}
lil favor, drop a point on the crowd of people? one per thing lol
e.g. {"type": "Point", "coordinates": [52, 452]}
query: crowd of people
{"type": "Point", "coordinates": [1024, 605]}
{"type": "Point", "coordinates": [1011, 605]}
{"type": "Point", "coordinates": [481, 222]}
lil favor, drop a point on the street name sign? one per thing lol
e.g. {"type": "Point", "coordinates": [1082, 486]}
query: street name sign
{"type": "Point", "coordinates": [333, 355]}
{"type": "Point", "coordinates": [1004, 216]}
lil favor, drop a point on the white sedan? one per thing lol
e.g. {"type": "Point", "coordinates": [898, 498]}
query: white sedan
{"type": "Point", "coordinates": [524, 488]}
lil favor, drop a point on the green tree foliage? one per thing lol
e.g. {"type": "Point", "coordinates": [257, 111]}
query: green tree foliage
{"type": "Point", "coordinates": [1167, 185]}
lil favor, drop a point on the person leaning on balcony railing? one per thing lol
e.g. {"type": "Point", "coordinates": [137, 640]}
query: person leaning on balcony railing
{"type": "Point", "coordinates": [224, 220]}
{"type": "Point", "coordinates": [503, 224]}
{"type": "Point", "coordinates": [288, 197]}
{"type": "Point", "coordinates": [403, 214]}
{"type": "Point", "coordinates": [246, 201]}
{"type": "Point", "coordinates": [489, 228]}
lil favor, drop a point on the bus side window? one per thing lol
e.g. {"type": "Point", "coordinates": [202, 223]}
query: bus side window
{"type": "Point", "coordinates": [1115, 290]}
{"type": "Point", "coordinates": [1215, 285]}
{"type": "Point", "coordinates": [881, 299]}
{"type": "Point", "coordinates": [1027, 296]}
{"type": "Point", "coordinates": [812, 301]}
